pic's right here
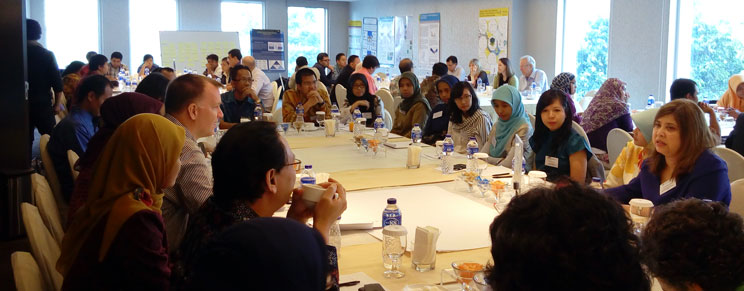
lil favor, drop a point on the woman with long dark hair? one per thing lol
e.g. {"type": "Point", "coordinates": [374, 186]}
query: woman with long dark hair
{"type": "Point", "coordinates": [467, 119]}
{"type": "Point", "coordinates": [505, 74]}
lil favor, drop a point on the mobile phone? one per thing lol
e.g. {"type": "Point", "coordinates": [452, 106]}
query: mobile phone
{"type": "Point", "coordinates": [372, 287]}
{"type": "Point", "coordinates": [459, 167]}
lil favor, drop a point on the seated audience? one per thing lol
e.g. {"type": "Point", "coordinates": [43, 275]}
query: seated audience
{"type": "Point", "coordinates": [212, 67]}
{"type": "Point", "coordinates": [735, 140]}
{"type": "Point", "coordinates": [166, 71]}
{"type": "Point", "coordinates": [343, 77]}
{"type": "Point", "coordinates": [733, 99]}
{"type": "Point", "coordinates": [248, 186]}
{"type": "Point", "coordinates": [566, 82]}
{"type": "Point", "coordinates": [687, 89]}
{"type": "Point", "coordinates": [572, 236]}
{"type": "Point", "coordinates": [358, 97]}
{"type": "Point", "coordinates": [261, 85]}
{"type": "Point", "coordinates": [193, 103]}
{"type": "Point", "coordinates": [413, 109]}
{"type": "Point", "coordinates": [628, 163]}
{"type": "Point", "coordinates": [241, 101]}
{"type": "Point", "coordinates": [70, 82]}
{"type": "Point", "coordinates": [147, 63]}
{"type": "Point", "coordinates": [607, 111]}
{"type": "Point", "coordinates": [692, 244]}
{"type": "Point", "coordinates": [114, 112]}
{"type": "Point", "coordinates": [531, 74]}
{"type": "Point", "coordinates": [225, 66]}
{"type": "Point", "coordinates": [429, 85]}
{"type": "Point", "coordinates": [234, 57]}
{"type": "Point", "coordinates": [98, 65]}
{"type": "Point", "coordinates": [116, 241]}
{"type": "Point", "coordinates": [154, 85]}
{"type": "Point", "coordinates": [84, 70]}
{"type": "Point", "coordinates": [323, 62]}
{"type": "Point", "coordinates": [339, 66]}
{"type": "Point", "coordinates": [300, 63]}
{"type": "Point", "coordinates": [476, 73]}
{"type": "Point", "coordinates": [75, 130]}
{"type": "Point", "coordinates": [264, 253]}
{"type": "Point", "coordinates": [512, 123]}
{"type": "Point", "coordinates": [405, 65]}
{"type": "Point", "coordinates": [455, 70]}
{"type": "Point", "coordinates": [73, 68]}
{"type": "Point", "coordinates": [369, 65]}
{"type": "Point", "coordinates": [558, 149]}
{"type": "Point", "coordinates": [307, 94]}
{"type": "Point", "coordinates": [467, 119]}
{"type": "Point", "coordinates": [438, 121]}
{"type": "Point", "coordinates": [681, 164]}
{"type": "Point", "coordinates": [505, 75]}
{"type": "Point", "coordinates": [116, 66]}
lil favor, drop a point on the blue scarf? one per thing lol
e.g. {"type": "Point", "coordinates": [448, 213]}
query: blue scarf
{"type": "Point", "coordinates": [507, 128]}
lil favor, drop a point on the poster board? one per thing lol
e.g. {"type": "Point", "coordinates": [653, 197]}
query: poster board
{"type": "Point", "coordinates": [267, 47]}
{"type": "Point", "coordinates": [355, 37]}
{"type": "Point", "coordinates": [428, 40]}
{"type": "Point", "coordinates": [386, 41]}
{"type": "Point", "coordinates": [189, 49]}
{"type": "Point", "coordinates": [369, 36]}
{"type": "Point", "coordinates": [493, 29]}
{"type": "Point", "coordinates": [403, 38]}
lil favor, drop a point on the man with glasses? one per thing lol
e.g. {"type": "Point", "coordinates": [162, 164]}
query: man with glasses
{"type": "Point", "coordinates": [307, 94]}
{"type": "Point", "coordinates": [242, 100]}
{"type": "Point", "coordinates": [531, 74]}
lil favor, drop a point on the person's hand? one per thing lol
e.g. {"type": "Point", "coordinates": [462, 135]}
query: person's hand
{"type": "Point", "coordinates": [314, 98]}
{"type": "Point", "coordinates": [228, 87]}
{"type": "Point", "coordinates": [58, 108]}
{"type": "Point", "coordinates": [733, 112]}
{"type": "Point", "coordinates": [299, 210]}
{"type": "Point", "coordinates": [704, 106]}
{"type": "Point", "coordinates": [252, 94]}
{"type": "Point", "coordinates": [330, 206]}
{"type": "Point", "coordinates": [359, 103]}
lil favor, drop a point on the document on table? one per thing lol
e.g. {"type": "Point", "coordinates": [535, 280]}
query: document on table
{"type": "Point", "coordinates": [463, 222]}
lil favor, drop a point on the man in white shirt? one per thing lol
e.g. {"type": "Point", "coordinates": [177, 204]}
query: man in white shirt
{"type": "Point", "coordinates": [261, 84]}
{"type": "Point", "coordinates": [531, 74]}
{"type": "Point", "coordinates": [455, 70]}
{"type": "Point", "coordinates": [213, 69]}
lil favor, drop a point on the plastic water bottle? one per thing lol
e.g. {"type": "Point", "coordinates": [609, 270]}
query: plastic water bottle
{"type": "Point", "coordinates": [308, 176]}
{"type": "Point", "coordinates": [357, 114]}
{"type": "Point", "coordinates": [258, 113]}
{"type": "Point", "coordinates": [472, 165]}
{"type": "Point", "coordinates": [379, 123]}
{"type": "Point", "coordinates": [651, 101]}
{"type": "Point", "coordinates": [597, 183]}
{"type": "Point", "coordinates": [448, 149]}
{"type": "Point", "coordinates": [416, 134]}
{"type": "Point", "coordinates": [185, 71]}
{"type": "Point", "coordinates": [480, 84]}
{"type": "Point", "coordinates": [134, 83]}
{"type": "Point", "coordinates": [334, 235]}
{"type": "Point", "coordinates": [517, 164]}
{"type": "Point", "coordinates": [533, 90]}
{"type": "Point", "coordinates": [147, 71]}
{"type": "Point", "coordinates": [300, 117]}
{"type": "Point", "coordinates": [336, 115]}
{"type": "Point", "coordinates": [392, 215]}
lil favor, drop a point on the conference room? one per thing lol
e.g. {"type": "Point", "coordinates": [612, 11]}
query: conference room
{"type": "Point", "coordinates": [372, 145]}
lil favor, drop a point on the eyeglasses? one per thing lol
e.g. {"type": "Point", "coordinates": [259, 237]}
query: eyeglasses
{"type": "Point", "coordinates": [296, 165]}
{"type": "Point", "coordinates": [243, 80]}
{"type": "Point", "coordinates": [360, 86]}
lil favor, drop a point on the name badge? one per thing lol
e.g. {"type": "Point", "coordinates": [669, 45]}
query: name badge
{"type": "Point", "coordinates": [666, 186]}
{"type": "Point", "coordinates": [367, 115]}
{"type": "Point", "coordinates": [437, 115]}
{"type": "Point", "coordinates": [551, 161]}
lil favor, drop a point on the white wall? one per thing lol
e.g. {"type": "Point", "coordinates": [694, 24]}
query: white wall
{"type": "Point", "coordinates": [204, 15]}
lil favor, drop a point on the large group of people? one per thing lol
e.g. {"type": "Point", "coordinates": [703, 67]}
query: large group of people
{"type": "Point", "coordinates": [150, 211]}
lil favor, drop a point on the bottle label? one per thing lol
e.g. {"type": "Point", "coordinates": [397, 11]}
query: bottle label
{"type": "Point", "coordinates": [448, 147]}
{"type": "Point", "coordinates": [472, 150]}
{"type": "Point", "coordinates": [307, 180]}
{"type": "Point", "coordinates": [391, 218]}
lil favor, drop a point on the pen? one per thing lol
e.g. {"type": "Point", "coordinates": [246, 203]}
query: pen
{"type": "Point", "coordinates": [347, 284]}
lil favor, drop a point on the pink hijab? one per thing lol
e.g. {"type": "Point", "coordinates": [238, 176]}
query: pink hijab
{"type": "Point", "coordinates": [609, 104]}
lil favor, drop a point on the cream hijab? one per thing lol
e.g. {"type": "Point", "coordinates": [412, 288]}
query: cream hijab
{"type": "Point", "coordinates": [729, 99]}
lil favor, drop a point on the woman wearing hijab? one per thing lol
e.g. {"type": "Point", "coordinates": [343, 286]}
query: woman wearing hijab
{"type": "Point", "coordinates": [628, 163]}
{"type": "Point", "coordinates": [476, 73]}
{"type": "Point", "coordinates": [114, 112]}
{"type": "Point", "coordinates": [734, 96]}
{"type": "Point", "coordinates": [438, 121]}
{"type": "Point", "coordinates": [467, 120]}
{"type": "Point", "coordinates": [358, 96]}
{"type": "Point", "coordinates": [265, 253]}
{"type": "Point", "coordinates": [513, 123]}
{"type": "Point", "coordinates": [566, 82]}
{"type": "Point", "coordinates": [414, 108]}
{"type": "Point", "coordinates": [117, 240]}
{"type": "Point", "coordinates": [608, 110]}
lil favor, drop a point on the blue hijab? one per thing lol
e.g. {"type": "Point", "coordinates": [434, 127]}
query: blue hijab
{"type": "Point", "coordinates": [506, 128]}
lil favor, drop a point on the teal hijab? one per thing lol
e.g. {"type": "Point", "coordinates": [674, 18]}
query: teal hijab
{"type": "Point", "coordinates": [407, 103]}
{"type": "Point", "coordinates": [506, 128]}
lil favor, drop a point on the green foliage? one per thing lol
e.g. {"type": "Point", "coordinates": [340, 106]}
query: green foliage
{"type": "Point", "coordinates": [304, 37]}
{"type": "Point", "coordinates": [591, 71]}
{"type": "Point", "coordinates": [715, 57]}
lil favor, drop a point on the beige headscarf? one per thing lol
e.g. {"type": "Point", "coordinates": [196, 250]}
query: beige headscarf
{"type": "Point", "coordinates": [729, 99]}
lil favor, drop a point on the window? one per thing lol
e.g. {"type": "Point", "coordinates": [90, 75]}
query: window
{"type": "Point", "coordinates": [146, 19]}
{"type": "Point", "coordinates": [710, 44]}
{"type": "Point", "coordinates": [242, 17]}
{"type": "Point", "coordinates": [307, 34]}
{"type": "Point", "coordinates": [71, 29]}
{"type": "Point", "coordinates": [586, 33]}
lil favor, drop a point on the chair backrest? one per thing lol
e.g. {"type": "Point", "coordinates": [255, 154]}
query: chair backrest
{"type": "Point", "coordinates": [72, 158]}
{"type": "Point", "coordinates": [275, 92]}
{"type": "Point", "coordinates": [581, 131]}
{"type": "Point", "coordinates": [734, 161]}
{"type": "Point", "coordinates": [387, 99]}
{"type": "Point", "coordinates": [26, 272]}
{"type": "Point", "coordinates": [388, 119]}
{"type": "Point", "coordinates": [44, 200]}
{"type": "Point", "coordinates": [737, 197]}
{"type": "Point", "coordinates": [532, 119]}
{"type": "Point", "coordinates": [340, 95]}
{"type": "Point", "coordinates": [43, 246]}
{"type": "Point", "coordinates": [51, 173]}
{"type": "Point", "coordinates": [616, 140]}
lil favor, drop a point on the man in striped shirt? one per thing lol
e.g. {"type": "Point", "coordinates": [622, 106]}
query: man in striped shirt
{"type": "Point", "coordinates": [192, 102]}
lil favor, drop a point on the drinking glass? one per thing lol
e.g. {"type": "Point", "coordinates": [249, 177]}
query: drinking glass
{"type": "Point", "coordinates": [285, 127]}
{"type": "Point", "coordinates": [464, 272]}
{"type": "Point", "coordinates": [394, 240]}
{"type": "Point", "coordinates": [298, 124]}
{"type": "Point", "coordinates": [320, 118]}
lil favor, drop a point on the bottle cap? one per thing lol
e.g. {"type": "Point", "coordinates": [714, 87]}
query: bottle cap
{"type": "Point", "coordinates": [596, 179]}
{"type": "Point", "coordinates": [308, 166]}
{"type": "Point", "coordinates": [472, 138]}
{"type": "Point", "coordinates": [392, 201]}
{"type": "Point", "coordinates": [448, 135]}
{"type": "Point", "coordinates": [415, 124]}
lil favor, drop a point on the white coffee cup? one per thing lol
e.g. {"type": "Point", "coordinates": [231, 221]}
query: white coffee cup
{"type": "Point", "coordinates": [311, 194]}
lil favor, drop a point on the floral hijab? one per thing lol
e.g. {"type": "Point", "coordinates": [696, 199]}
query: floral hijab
{"type": "Point", "coordinates": [609, 104]}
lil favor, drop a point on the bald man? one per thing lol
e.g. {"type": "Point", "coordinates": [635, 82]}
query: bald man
{"type": "Point", "coordinates": [261, 83]}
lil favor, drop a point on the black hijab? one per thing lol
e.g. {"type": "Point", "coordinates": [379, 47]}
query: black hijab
{"type": "Point", "coordinates": [351, 98]}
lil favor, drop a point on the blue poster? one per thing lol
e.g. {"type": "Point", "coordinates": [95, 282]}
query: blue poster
{"type": "Point", "coordinates": [267, 47]}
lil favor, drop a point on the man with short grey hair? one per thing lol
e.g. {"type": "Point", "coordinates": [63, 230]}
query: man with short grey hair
{"type": "Point", "coordinates": [531, 74]}
{"type": "Point", "coordinates": [261, 84]}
